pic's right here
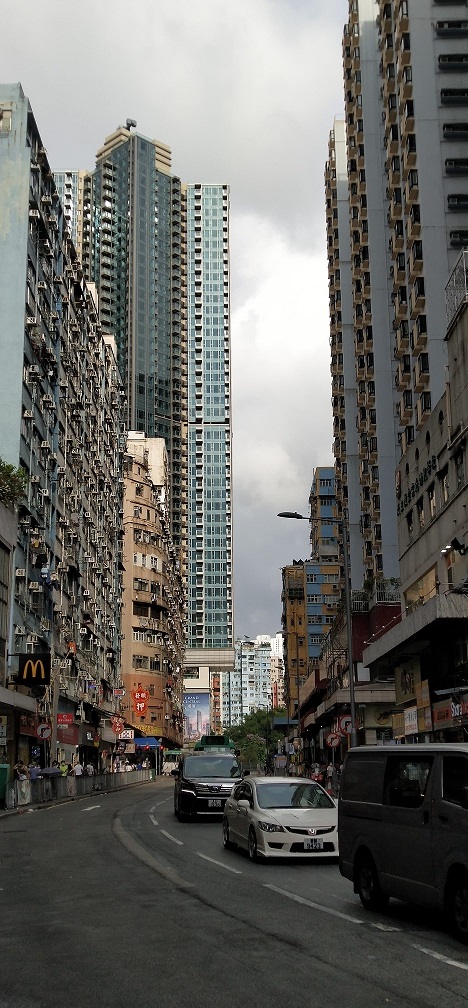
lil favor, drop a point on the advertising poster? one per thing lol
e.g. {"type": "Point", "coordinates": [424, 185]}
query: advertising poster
{"type": "Point", "coordinates": [196, 716]}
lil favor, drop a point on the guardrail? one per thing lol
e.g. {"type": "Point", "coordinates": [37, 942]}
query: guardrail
{"type": "Point", "coordinates": [57, 788]}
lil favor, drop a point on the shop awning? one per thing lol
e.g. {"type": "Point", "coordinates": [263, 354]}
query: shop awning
{"type": "Point", "coordinates": [150, 742]}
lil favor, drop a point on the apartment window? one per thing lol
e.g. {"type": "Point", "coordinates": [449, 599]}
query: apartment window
{"type": "Point", "coordinates": [459, 469]}
{"type": "Point", "coordinates": [5, 120]}
{"type": "Point", "coordinates": [444, 485]}
{"type": "Point", "coordinates": [409, 523]}
{"type": "Point", "coordinates": [431, 500]}
{"type": "Point", "coordinates": [420, 513]}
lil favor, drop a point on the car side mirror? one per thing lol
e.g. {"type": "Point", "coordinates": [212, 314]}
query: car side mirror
{"type": "Point", "coordinates": [175, 773]}
{"type": "Point", "coordinates": [243, 803]}
{"type": "Point", "coordinates": [246, 773]}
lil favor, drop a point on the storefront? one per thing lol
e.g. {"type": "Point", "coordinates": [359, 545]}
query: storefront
{"type": "Point", "coordinates": [18, 729]}
{"type": "Point", "coordinates": [450, 719]}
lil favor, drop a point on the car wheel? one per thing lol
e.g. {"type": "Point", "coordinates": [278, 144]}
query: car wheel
{"type": "Point", "coordinates": [227, 843]}
{"type": "Point", "coordinates": [368, 885]}
{"type": "Point", "coordinates": [457, 906]}
{"type": "Point", "coordinates": [253, 850]}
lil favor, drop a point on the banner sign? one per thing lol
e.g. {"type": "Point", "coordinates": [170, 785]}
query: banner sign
{"type": "Point", "coordinates": [34, 670]}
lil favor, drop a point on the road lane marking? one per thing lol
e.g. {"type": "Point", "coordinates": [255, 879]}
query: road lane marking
{"type": "Point", "coordinates": [220, 863]}
{"type": "Point", "coordinates": [170, 837]}
{"type": "Point", "coordinates": [153, 807]}
{"type": "Point", "coordinates": [384, 927]}
{"type": "Point", "coordinates": [315, 906]}
{"type": "Point", "coordinates": [442, 958]}
{"type": "Point", "coordinates": [154, 821]}
{"type": "Point", "coordinates": [90, 808]}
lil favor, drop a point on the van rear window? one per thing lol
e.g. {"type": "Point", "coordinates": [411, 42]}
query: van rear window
{"type": "Point", "coordinates": [363, 779]}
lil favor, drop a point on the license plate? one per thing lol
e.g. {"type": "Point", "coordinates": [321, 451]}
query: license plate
{"type": "Point", "coordinates": [313, 843]}
{"type": "Point", "coordinates": [214, 802]}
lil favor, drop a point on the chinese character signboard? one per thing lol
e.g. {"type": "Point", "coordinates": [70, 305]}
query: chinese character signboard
{"type": "Point", "coordinates": [140, 697]}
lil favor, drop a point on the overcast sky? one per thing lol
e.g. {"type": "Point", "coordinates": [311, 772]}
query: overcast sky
{"type": "Point", "coordinates": [244, 92]}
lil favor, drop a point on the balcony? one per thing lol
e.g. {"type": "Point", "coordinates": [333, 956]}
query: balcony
{"type": "Point", "coordinates": [419, 335]}
{"type": "Point", "coordinates": [417, 298]}
{"type": "Point", "coordinates": [453, 63]}
{"type": "Point", "coordinates": [405, 406]}
{"type": "Point", "coordinates": [421, 372]}
{"type": "Point", "coordinates": [402, 341]}
{"type": "Point", "coordinates": [423, 409]}
{"type": "Point", "coordinates": [455, 131]}
{"type": "Point", "coordinates": [403, 373]}
{"type": "Point", "coordinates": [451, 29]}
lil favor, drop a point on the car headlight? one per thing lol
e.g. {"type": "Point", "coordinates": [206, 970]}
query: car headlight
{"type": "Point", "coordinates": [271, 827]}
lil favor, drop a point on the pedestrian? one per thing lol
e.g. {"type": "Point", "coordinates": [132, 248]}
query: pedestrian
{"type": "Point", "coordinates": [22, 785]}
{"type": "Point", "coordinates": [89, 769]}
{"type": "Point", "coordinates": [63, 767]}
{"type": "Point", "coordinates": [329, 777]}
{"type": "Point", "coordinates": [78, 769]}
{"type": "Point", "coordinates": [34, 771]}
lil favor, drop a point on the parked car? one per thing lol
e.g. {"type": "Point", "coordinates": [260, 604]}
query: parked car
{"type": "Point", "coordinates": [203, 783]}
{"type": "Point", "coordinates": [281, 817]}
{"type": "Point", "coordinates": [403, 827]}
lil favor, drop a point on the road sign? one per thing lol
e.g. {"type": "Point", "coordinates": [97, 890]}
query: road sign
{"type": "Point", "coordinates": [44, 731]}
{"type": "Point", "coordinates": [345, 724]}
{"type": "Point", "coordinates": [332, 740]}
{"type": "Point", "coordinates": [127, 733]}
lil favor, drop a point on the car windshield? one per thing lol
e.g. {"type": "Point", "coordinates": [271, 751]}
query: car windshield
{"type": "Point", "coordinates": [211, 766]}
{"type": "Point", "coordinates": [293, 795]}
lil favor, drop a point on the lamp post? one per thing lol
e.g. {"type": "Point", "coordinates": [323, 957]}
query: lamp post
{"type": "Point", "coordinates": [349, 629]}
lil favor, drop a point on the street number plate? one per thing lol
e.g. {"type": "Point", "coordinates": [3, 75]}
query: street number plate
{"type": "Point", "coordinates": [313, 843]}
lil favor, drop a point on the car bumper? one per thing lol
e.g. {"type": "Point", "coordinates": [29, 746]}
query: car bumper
{"type": "Point", "coordinates": [278, 846]}
{"type": "Point", "coordinates": [193, 804]}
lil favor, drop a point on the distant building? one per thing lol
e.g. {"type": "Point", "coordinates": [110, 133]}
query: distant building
{"type": "Point", "coordinates": [248, 687]}
{"type": "Point", "coordinates": [153, 611]}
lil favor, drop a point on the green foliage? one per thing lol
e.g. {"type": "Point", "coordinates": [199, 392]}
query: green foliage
{"type": "Point", "coordinates": [13, 484]}
{"type": "Point", "coordinates": [255, 737]}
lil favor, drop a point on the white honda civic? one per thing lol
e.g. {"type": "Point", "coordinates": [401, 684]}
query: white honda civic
{"type": "Point", "coordinates": [278, 817]}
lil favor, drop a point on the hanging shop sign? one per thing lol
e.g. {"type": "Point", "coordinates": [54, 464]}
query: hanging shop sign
{"type": "Point", "coordinates": [34, 670]}
{"type": "Point", "coordinates": [140, 698]}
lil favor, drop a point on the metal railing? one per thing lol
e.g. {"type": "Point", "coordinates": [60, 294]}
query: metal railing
{"type": "Point", "coordinates": [58, 788]}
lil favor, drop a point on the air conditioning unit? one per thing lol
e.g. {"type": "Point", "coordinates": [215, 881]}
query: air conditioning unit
{"type": "Point", "coordinates": [45, 446]}
{"type": "Point", "coordinates": [31, 320]}
{"type": "Point", "coordinates": [65, 664]}
{"type": "Point", "coordinates": [33, 639]}
{"type": "Point", "coordinates": [55, 663]}
{"type": "Point", "coordinates": [19, 631]}
{"type": "Point", "coordinates": [28, 414]}
{"type": "Point", "coordinates": [42, 285]}
{"type": "Point", "coordinates": [34, 371]}
{"type": "Point", "coordinates": [83, 631]}
{"type": "Point", "coordinates": [34, 214]}
{"type": "Point", "coordinates": [86, 593]}
{"type": "Point", "coordinates": [87, 515]}
{"type": "Point", "coordinates": [20, 572]}
{"type": "Point", "coordinates": [88, 556]}
{"type": "Point", "coordinates": [61, 471]}
{"type": "Point", "coordinates": [45, 625]}
{"type": "Point", "coordinates": [34, 479]}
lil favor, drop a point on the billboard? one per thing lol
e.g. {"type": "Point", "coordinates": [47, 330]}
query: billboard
{"type": "Point", "coordinates": [197, 715]}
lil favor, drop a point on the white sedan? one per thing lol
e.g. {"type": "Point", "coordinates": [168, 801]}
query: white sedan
{"type": "Point", "coordinates": [281, 817]}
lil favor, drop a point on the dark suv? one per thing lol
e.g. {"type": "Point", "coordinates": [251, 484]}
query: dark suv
{"type": "Point", "coordinates": [203, 783]}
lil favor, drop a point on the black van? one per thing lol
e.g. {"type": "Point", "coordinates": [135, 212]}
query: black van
{"type": "Point", "coordinates": [403, 827]}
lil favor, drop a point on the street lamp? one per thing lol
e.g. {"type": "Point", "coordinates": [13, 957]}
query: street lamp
{"type": "Point", "coordinates": [349, 629]}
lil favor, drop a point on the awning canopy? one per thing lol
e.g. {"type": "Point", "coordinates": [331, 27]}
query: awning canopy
{"type": "Point", "coordinates": [147, 743]}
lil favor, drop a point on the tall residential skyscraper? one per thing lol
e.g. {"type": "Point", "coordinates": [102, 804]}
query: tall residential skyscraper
{"type": "Point", "coordinates": [133, 249]}
{"type": "Point", "coordinates": [402, 153]}
{"type": "Point", "coordinates": [158, 251]}
{"type": "Point", "coordinates": [209, 418]}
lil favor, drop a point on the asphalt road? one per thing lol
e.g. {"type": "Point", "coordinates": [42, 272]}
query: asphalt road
{"type": "Point", "coordinates": [109, 901]}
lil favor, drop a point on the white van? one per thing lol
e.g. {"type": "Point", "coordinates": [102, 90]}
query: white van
{"type": "Point", "coordinates": [403, 827]}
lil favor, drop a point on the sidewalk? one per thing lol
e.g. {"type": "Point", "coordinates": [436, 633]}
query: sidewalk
{"type": "Point", "coordinates": [57, 790]}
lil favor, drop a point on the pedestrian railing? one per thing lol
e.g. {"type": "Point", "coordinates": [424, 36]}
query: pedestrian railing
{"type": "Point", "coordinates": [58, 788]}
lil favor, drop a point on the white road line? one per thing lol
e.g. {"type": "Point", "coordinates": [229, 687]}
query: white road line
{"type": "Point", "coordinates": [89, 808]}
{"type": "Point", "coordinates": [220, 863]}
{"type": "Point", "coordinates": [315, 906]}
{"type": "Point", "coordinates": [170, 837]}
{"type": "Point", "coordinates": [445, 959]}
{"type": "Point", "coordinates": [385, 927]}
{"type": "Point", "coordinates": [153, 807]}
{"type": "Point", "coordinates": [154, 821]}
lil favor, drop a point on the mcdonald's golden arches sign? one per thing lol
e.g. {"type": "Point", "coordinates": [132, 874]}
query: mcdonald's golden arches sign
{"type": "Point", "coordinates": [34, 669]}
